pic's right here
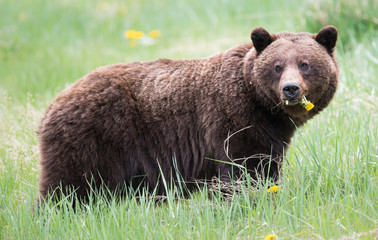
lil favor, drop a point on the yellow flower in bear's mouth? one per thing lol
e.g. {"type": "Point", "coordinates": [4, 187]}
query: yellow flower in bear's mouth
{"type": "Point", "coordinates": [304, 102]}
{"type": "Point", "coordinates": [307, 104]}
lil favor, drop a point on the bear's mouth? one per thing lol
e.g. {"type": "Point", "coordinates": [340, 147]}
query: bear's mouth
{"type": "Point", "coordinates": [290, 102]}
{"type": "Point", "coordinates": [306, 104]}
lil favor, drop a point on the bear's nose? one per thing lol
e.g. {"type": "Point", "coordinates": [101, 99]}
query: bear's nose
{"type": "Point", "coordinates": [291, 90]}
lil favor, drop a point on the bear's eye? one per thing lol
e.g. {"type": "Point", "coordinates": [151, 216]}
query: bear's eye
{"type": "Point", "coordinates": [278, 69]}
{"type": "Point", "coordinates": [303, 66]}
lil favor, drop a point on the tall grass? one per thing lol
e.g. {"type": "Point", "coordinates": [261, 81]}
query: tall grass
{"type": "Point", "coordinates": [354, 19]}
{"type": "Point", "coordinates": [329, 177]}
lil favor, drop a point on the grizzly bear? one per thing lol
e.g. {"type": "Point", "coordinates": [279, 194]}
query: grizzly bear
{"type": "Point", "coordinates": [138, 124]}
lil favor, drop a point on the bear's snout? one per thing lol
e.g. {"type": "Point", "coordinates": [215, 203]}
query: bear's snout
{"type": "Point", "coordinates": [291, 90]}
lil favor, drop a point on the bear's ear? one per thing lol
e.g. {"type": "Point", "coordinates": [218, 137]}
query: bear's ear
{"type": "Point", "coordinates": [327, 37]}
{"type": "Point", "coordinates": [261, 39]}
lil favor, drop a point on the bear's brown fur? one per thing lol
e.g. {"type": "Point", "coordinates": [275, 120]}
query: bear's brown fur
{"type": "Point", "coordinates": [126, 124]}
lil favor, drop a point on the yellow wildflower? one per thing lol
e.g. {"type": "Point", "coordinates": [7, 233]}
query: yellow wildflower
{"type": "Point", "coordinates": [133, 34]}
{"type": "Point", "coordinates": [274, 188]}
{"type": "Point", "coordinates": [307, 104]}
{"type": "Point", "coordinates": [270, 236]}
{"type": "Point", "coordinates": [154, 34]}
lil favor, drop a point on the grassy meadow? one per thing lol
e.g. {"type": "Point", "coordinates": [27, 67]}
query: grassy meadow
{"type": "Point", "coordinates": [329, 181]}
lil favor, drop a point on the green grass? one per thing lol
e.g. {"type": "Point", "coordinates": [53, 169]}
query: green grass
{"type": "Point", "coordinates": [329, 180]}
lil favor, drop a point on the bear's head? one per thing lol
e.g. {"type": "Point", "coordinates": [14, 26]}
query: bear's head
{"type": "Point", "coordinates": [285, 69]}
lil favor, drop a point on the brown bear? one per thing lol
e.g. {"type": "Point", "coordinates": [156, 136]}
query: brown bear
{"type": "Point", "coordinates": [135, 124]}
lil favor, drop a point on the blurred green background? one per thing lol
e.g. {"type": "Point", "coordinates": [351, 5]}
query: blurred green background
{"type": "Point", "coordinates": [45, 45]}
